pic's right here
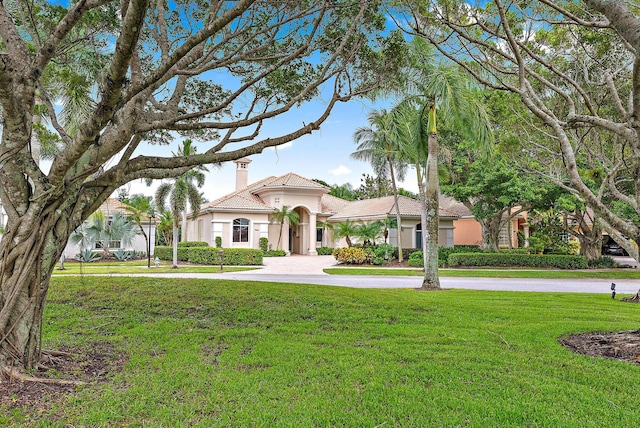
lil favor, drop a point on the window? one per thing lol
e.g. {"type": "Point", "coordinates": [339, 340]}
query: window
{"type": "Point", "coordinates": [276, 200]}
{"type": "Point", "coordinates": [418, 236]}
{"type": "Point", "coordinates": [318, 234]}
{"type": "Point", "coordinates": [241, 230]}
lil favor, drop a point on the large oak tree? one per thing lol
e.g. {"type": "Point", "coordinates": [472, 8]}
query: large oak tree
{"type": "Point", "coordinates": [136, 72]}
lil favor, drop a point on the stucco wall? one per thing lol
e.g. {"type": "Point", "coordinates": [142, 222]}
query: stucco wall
{"type": "Point", "coordinates": [468, 232]}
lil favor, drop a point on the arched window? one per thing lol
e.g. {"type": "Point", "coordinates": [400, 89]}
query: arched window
{"type": "Point", "coordinates": [241, 230]}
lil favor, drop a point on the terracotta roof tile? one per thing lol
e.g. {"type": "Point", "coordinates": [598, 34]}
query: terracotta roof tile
{"type": "Point", "coordinates": [383, 207]}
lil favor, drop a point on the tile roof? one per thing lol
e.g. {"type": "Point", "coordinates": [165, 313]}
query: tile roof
{"type": "Point", "coordinates": [241, 199]}
{"type": "Point", "coordinates": [332, 204]}
{"type": "Point", "coordinates": [294, 180]}
{"type": "Point", "coordinates": [382, 207]}
{"type": "Point", "coordinates": [453, 206]}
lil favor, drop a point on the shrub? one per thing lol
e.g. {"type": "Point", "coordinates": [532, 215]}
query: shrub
{"type": "Point", "coordinates": [163, 252]}
{"type": "Point", "coordinates": [87, 256]}
{"type": "Point", "coordinates": [604, 262]}
{"type": "Point", "coordinates": [123, 255]}
{"type": "Point", "coordinates": [350, 255]}
{"type": "Point", "coordinates": [324, 251]}
{"type": "Point", "coordinates": [383, 253]}
{"type": "Point", "coordinates": [218, 241]}
{"type": "Point", "coordinates": [192, 244]}
{"type": "Point", "coordinates": [231, 256]}
{"type": "Point", "coordinates": [275, 253]}
{"type": "Point", "coordinates": [445, 252]}
{"type": "Point", "coordinates": [406, 252]}
{"type": "Point", "coordinates": [263, 243]}
{"type": "Point", "coordinates": [416, 259]}
{"type": "Point", "coordinates": [533, 260]}
{"type": "Point", "coordinates": [519, 250]}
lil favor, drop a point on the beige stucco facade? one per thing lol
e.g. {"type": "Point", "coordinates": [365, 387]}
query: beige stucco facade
{"type": "Point", "coordinates": [241, 218]}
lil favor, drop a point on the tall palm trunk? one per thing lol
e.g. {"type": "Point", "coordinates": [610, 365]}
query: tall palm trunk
{"type": "Point", "coordinates": [423, 214]}
{"type": "Point", "coordinates": [432, 193]}
{"type": "Point", "coordinates": [395, 201]}
{"type": "Point", "coordinates": [175, 244]}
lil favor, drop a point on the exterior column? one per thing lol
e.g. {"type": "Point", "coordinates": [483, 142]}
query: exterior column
{"type": "Point", "coordinates": [526, 235]}
{"type": "Point", "coordinates": [312, 234]}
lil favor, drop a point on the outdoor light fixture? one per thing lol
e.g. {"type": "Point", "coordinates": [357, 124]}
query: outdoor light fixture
{"type": "Point", "coordinates": [613, 290]}
{"type": "Point", "coordinates": [221, 254]}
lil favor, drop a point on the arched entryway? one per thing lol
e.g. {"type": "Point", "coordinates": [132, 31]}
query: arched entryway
{"type": "Point", "coordinates": [303, 235]}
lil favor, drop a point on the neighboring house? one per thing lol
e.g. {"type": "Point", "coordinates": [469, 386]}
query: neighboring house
{"type": "Point", "coordinates": [109, 208]}
{"type": "Point", "coordinates": [241, 218]}
{"type": "Point", "coordinates": [469, 230]}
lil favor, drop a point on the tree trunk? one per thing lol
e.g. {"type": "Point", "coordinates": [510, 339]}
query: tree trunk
{"type": "Point", "coordinates": [398, 219]}
{"type": "Point", "coordinates": [28, 255]}
{"type": "Point", "coordinates": [432, 193]}
{"type": "Point", "coordinates": [491, 232]}
{"type": "Point", "coordinates": [175, 246]}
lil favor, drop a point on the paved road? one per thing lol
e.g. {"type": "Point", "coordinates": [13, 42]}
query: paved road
{"type": "Point", "coordinates": [309, 270]}
{"type": "Point", "coordinates": [504, 284]}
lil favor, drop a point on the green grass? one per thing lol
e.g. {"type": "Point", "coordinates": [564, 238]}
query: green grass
{"type": "Point", "coordinates": [138, 267]}
{"type": "Point", "coordinates": [494, 273]}
{"type": "Point", "coordinates": [226, 353]}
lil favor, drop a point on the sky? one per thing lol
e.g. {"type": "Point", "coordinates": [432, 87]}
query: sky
{"type": "Point", "coordinates": [324, 154]}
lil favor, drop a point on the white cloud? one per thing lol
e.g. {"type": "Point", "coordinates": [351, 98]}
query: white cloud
{"type": "Point", "coordinates": [341, 170]}
{"type": "Point", "coordinates": [281, 146]}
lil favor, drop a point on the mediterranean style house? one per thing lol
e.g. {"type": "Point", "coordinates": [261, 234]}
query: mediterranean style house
{"type": "Point", "coordinates": [244, 216]}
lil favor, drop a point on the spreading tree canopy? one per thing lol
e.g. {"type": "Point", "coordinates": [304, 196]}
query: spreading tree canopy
{"type": "Point", "coordinates": [93, 82]}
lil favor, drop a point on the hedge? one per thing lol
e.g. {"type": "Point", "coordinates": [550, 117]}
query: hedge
{"type": "Point", "coordinates": [528, 260]}
{"type": "Point", "coordinates": [165, 253]}
{"type": "Point", "coordinates": [193, 244]}
{"type": "Point", "coordinates": [324, 251]}
{"type": "Point", "coordinates": [415, 258]}
{"type": "Point", "coordinates": [210, 256]}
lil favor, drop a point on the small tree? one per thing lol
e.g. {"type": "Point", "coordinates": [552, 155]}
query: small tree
{"type": "Point", "coordinates": [101, 232]}
{"type": "Point", "coordinates": [282, 216]}
{"type": "Point", "coordinates": [345, 230]}
{"type": "Point", "coordinates": [369, 233]}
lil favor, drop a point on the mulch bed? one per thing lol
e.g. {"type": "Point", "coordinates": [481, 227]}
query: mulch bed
{"type": "Point", "coordinates": [623, 346]}
{"type": "Point", "coordinates": [88, 366]}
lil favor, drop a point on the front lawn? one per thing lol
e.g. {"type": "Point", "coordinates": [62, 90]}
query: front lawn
{"type": "Point", "coordinates": [492, 272]}
{"type": "Point", "coordinates": [227, 353]}
{"type": "Point", "coordinates": [139, 266]}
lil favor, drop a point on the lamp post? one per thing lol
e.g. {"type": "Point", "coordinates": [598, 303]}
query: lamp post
{"type": "Point", "coordinates": [221, 254]}
{"type": "Point", "coordinates": [151, 217]}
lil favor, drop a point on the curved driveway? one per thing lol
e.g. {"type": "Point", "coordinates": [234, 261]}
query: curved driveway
{"type": "Point", "coordinates": [308, 270]}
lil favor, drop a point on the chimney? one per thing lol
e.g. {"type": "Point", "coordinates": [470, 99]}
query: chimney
{"type": "Point", "coordinates": [242, 173]}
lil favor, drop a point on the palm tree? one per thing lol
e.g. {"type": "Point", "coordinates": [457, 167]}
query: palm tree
{"type": "Point", "coordinates": [369, 233]}
{"type": "Point", "coordinates": [195, 174]}
{"type": "Point", "coordinates": [163, 229]}
{"type": "Point", "coordinates": [345, 230]}
{"type": "Point", "coordinates": [178, 191]}
{"type": "Point", "coordinates": [282, 216]}
{"type": "Point", "coordinates": [140, 207]}
{"type": "Point", "coordinates": [379, 144]}
{"type": "Point", "coordinates": [442, 88]}
{"type": "Point", "coordinates": [103, 232]}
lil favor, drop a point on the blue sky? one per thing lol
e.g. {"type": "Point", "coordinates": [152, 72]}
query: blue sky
{"type": "Point", "coordinates": [324, 154]}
